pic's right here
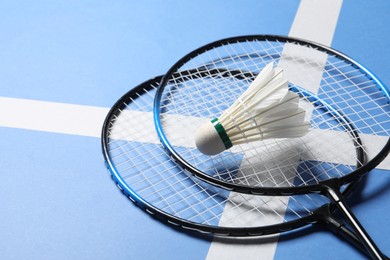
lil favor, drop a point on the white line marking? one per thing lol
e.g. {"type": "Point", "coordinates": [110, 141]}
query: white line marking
{"type": "Point", "coordinates": [315, 20]}
{"type": "Point", "coordinates": [315, 139]}
{"type": "Point", "coordinates": [88, 120]}
{"type": "Point", "coordinates": [52, 117]}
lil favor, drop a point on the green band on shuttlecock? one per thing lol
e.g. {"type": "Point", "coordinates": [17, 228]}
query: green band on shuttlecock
{"type": "Point", "coordinates": [222, 133]}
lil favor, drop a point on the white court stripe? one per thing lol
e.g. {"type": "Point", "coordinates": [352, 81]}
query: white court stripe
{"type": "Point", "coordinates": [315, 20]}
{"type": "Point", "coordinates": [343, 155]}
{"type": "Point", "coordinates": [52, 117]}
{"type": "Point", "coordinates": [88, 120]}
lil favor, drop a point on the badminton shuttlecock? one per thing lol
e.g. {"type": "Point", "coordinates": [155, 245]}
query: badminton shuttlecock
{"type": "Point", "coordinates": [267, 109]}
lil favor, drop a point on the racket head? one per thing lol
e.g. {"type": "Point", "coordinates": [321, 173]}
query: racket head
{"type": "Point", "coordinates": [144, 171]}
{"type": "Point", "coordinates": [331, 85]}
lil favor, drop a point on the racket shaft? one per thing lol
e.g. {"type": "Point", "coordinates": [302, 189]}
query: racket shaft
{"type": "Point", "coordinates": [371, 248]}
{"type": "Point", "coordinates": [341, 230]}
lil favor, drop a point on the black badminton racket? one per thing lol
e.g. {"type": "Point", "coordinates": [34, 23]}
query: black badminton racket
{"type": "Point", "coordinates": [144, 172]}
{"type": "Point", "coordinates": [348, 109]}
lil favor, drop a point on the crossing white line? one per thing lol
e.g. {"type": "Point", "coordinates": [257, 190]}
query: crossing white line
{"type": "Point", "coordinates": [315, 20]}
{"type": "Point", "coordinates": [88, 120]}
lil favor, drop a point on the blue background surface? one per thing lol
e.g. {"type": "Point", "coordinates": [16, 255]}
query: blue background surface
{"type": "Point", "coordinates": [56, 198]}
{"type": "Point", "coordinates": [90, 52]}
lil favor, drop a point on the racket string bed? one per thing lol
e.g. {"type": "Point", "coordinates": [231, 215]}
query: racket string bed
{"type": "Point", "coordinates": [205, 98]}
{"type": "Point", "coordinates": [203, 111]}
{"type": "Point", "coordinates": [139, 161]}
{"type": "Point", "coordinates": [161, 183]}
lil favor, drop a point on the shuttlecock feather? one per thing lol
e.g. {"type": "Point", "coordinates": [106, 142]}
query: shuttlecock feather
{"type": "Point", "coordinates": [267, 109]}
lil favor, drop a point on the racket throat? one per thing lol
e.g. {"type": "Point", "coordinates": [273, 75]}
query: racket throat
{"type": "Point", "coordinates": [326, 218]}
{"type": "Point", "coordinates": [332, 190]}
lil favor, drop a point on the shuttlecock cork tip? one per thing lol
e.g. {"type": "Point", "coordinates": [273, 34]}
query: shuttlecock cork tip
{"type": "Point", "coordinates": [208, 140]}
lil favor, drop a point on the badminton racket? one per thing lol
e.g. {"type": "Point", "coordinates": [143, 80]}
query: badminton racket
{"type": "Point", "coordinates": [347, 107]}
